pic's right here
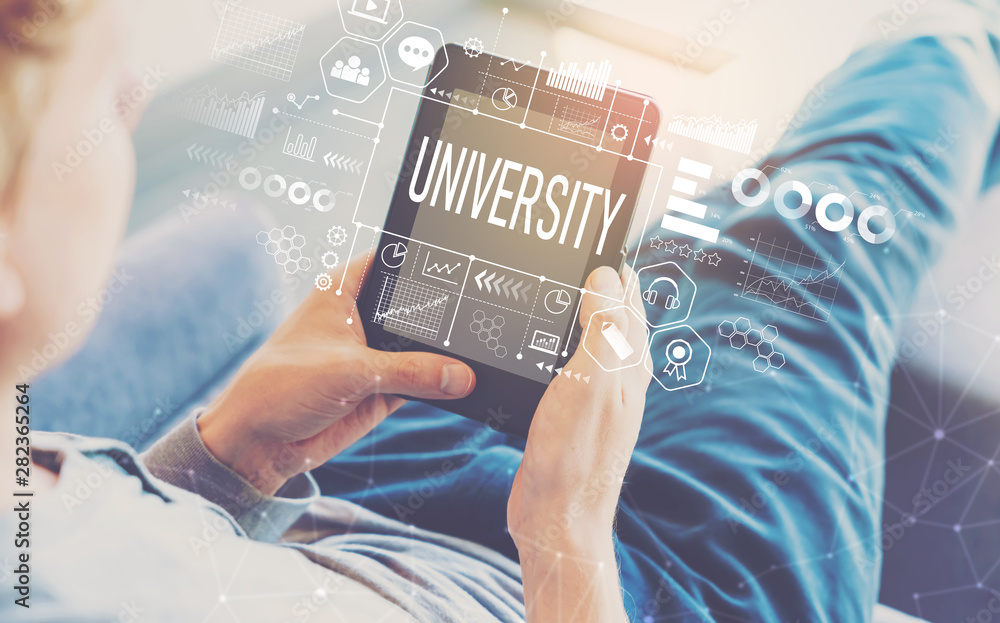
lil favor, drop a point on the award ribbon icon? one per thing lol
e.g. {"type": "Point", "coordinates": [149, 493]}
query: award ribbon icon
{"type": "Point", "coordinates": [679, 353]}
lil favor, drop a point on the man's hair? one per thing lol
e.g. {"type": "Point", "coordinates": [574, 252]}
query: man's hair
{"type": "Point", "coordinates": [34, 36]}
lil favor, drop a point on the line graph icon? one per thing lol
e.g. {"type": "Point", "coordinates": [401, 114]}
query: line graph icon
{"type": "Point", "coordinates": [441, 271]}
{"type": "Point", "coordinates": [580, 122]}
{"type": "Point", "coordinates": [258, 42]}
{"type": "Point", "coordinates": [794, 280]}
{"type": "Point", "coordinates": [410, 306]}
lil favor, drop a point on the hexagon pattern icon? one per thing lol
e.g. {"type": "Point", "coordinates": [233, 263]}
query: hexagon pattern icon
{"type": "Point", "coordinates": [285, 246]}
{"type": "Point", "coordinates": [352, 70]}
{"type": "Point", "coordinates": [489, 331]}
{"type": "Point", "coordinates": [741, 334]}
{"type": "Point", "coordinates": [685, 358]}
{"type": "Point", "coordinates": [370, 19]}
{"type": "Point", "coordinates": [667, 292]}
{"type": "Point", "coordinates": [410, 51]}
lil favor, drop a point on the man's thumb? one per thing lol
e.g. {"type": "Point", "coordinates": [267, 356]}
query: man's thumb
{"type": "Point", "coordinates": [425, 375]}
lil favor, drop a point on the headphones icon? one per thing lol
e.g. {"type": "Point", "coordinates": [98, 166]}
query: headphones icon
{"type": "Point", "coordinates": [673, 299]}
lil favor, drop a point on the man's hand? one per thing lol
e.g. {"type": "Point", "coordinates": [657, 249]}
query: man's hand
{"type": "Point", "coordinates": [314, 388]}
{"type": "Point", "coordinates": [562, 505]}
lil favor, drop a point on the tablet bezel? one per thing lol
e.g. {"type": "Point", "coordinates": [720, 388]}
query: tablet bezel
{"type": "Point", "coordinates": [503, 400]}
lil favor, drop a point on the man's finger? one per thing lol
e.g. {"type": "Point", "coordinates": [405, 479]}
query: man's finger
{"type": "Point", "coordinates": [612, 332]}
{"type": "Point", "coordinates": [353, 274]}
{"type": "Point", "coordinates": [425, 375]}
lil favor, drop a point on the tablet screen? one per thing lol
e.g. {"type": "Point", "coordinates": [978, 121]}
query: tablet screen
{"type": "Point", "coordinates": [506, 223]}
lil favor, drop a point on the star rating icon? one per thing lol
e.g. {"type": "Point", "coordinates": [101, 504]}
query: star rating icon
{"type": "Point", "coordinates": [699, 255]}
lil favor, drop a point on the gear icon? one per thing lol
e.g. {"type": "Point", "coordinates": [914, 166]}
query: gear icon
{"type": "Point", "coordinates": [337, 235]}
{"type": "Point", "coordinates": [324, 282]}
{"type": "Point", "coordinates": [330, 259]}
{"type": "Point", "coordinates": [619, 132]}
{"type": "Point", "coordinates": [473, 47]}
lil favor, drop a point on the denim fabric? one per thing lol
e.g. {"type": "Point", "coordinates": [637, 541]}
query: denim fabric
{"type": "Point", "coordinates": [754, 496]}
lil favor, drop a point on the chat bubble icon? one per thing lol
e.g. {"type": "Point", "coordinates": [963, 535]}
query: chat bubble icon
{"type": "Point", "coordinates": [416, 52]}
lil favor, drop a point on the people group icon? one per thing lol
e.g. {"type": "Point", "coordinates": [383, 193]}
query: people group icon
{"type": "Point", "coordinates": [352, 71]}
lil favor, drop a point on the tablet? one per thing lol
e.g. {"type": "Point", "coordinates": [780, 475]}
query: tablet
{"type": "Point", "coordinates": [517, 182]}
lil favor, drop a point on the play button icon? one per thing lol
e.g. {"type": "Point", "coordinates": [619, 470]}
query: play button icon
{"type": "Point", "coordinates": [374, 10]}
{"type": "Point", "coordinates": [504, 99]}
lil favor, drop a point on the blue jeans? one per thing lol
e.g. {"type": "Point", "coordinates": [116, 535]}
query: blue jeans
{"type": "Point", "coordinates": [752, 497]}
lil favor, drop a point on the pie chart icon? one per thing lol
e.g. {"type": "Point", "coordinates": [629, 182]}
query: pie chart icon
{"type": "Point", "coordinates": [558, 301]}
{"type": "Point", "coordinates": [504, 99]}
{"type": "Point", "coordinates": [393, 255]}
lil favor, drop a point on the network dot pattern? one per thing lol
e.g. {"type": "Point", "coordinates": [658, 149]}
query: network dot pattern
{"type": "Point", "coordinates": [489, 331]}
{"type": "Point", "coordinates": [285, 246]}
{"type": "Point", "coordinates": [741, 334]}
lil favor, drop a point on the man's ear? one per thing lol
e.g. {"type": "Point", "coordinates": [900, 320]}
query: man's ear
{"type": "Point", "coordinates": [12, 292]}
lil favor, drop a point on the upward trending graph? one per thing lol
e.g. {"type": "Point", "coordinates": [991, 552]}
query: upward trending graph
{"type": "Point", "coordinates": [794, 280]}
{"type": "Point", "coordinates": [258, 42]}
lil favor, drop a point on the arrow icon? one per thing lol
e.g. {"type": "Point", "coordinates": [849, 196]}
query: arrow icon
{"type": "Point", "coordinates": [200, 153]}
{"type": "Point", "coordinates": [524, 292]}
{"type": "Point", "coordinates": [659, 143]}
{"type": "Point", "coordinates": [336, 161]}
{"type": "Point", "coordinates": [515, 289]}
{"type": "Point", "coordinates": [479, 279]}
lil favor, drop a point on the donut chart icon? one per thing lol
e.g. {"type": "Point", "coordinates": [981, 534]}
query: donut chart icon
{"type": "Point", "coordinates": [393, 255]}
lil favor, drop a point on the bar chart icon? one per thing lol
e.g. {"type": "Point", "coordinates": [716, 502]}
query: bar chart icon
{"type": "Point", "coordinates": [677, 204]}
{"type": "Point", "coordinates": [299, 147]}
{"type": "Point", "coordinates": [591, 82]}
{"type": "Point", "coordinates": [545, 342]}
{"type": "Point", "coordinates": [238, 115]}
{"type": "Point", "coordinates": [714, 131]}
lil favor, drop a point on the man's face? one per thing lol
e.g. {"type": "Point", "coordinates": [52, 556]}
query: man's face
{"type": "Point", "coordinates": [78, 182]}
